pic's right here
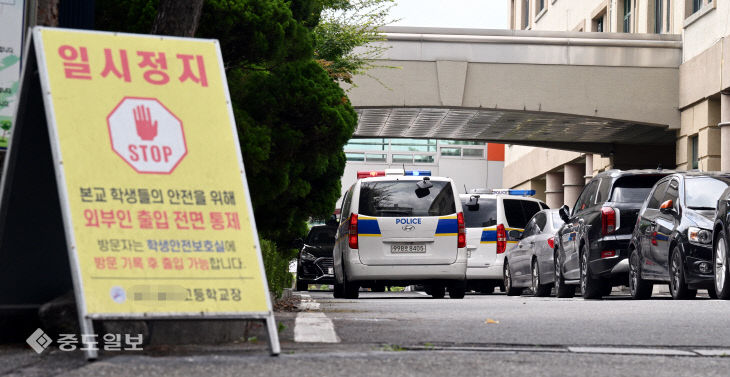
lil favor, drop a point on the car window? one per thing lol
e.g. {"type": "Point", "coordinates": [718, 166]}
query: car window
{"type": "Point", "coordinates": [557, 221]}
{"type": "Point", "coordinates": [544, 206]}
{"type": "Point", "coordinates": [321, 236]}
{"type": "Point", "coordinates": [672, 192]}
{"type": "Point", "coordinates": [517, 212]}
{"type": "Point", "coordinates": [703, 192]}
{"type": "Point", "coordinates": [540, 220]}
{"type": "Point", "coordinates": [484, 213]}
{"type": "Point", "coordinates": [633, 188]}
{"type": "Point", "coordinates": [657, 195]}
{"type": "Point", "coordinates": [587, 197]}
{"type": "Point", "coordinates": [530, 229]}
{"type": "Point", "coordinates": [405, 198]}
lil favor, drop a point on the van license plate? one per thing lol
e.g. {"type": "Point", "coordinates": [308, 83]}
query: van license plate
{"type": "Point", "coordinates": [407, 249]}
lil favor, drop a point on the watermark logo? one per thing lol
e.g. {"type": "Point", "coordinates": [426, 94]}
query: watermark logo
{"type": "Point", "coordinates": [39, 341]}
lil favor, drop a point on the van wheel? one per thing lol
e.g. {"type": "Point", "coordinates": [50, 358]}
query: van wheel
{"type": "Point", "coordinates": [438, 290]}
{"type": "Point", "coordinates": [457, 289]}
{"type": "Point", "coordinates": [511, 291]}
{"type": "Point", "coordinates": [350, 289]}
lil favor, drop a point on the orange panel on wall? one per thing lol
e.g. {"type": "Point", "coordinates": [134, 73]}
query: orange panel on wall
{"type": "Point", "coordinates": [495, 152]}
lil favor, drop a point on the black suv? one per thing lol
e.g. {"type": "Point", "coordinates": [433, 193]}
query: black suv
{"type": "Point", "coordinates": [315, 263]}
{"type": "Point", "coordinates": [721, 241]}
{"type": "Point", "coordinates": [672, 241]}
{"type": "Point", "coordinates": [596, 235]}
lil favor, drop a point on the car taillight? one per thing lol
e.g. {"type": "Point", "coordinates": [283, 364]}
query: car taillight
{"type": "Point", "coordinates": [551, 243]}
{"type": "Point", "coordinates": [608, 220]}
{"type": "Point", "coordinates": [353, 231]}
{"type": "Point", "coordinates": [462, 230]}
{"type": "Point", "coordinates": [501, 239]}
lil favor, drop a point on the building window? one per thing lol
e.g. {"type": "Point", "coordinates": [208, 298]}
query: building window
{"type": "Point", "coordinates": [380, 157]}
{"type": "Point", "coordinates": [525, 14]}
{"type": "Point", "coordinates": [694, 153]}
{"type": "Point", "coordinates": [696, 5]}
{"type": "Point", "coordinates": [627, 16]}
{"type": "Point", "coordinates": [658, 16]}
{"type": "Point", "coordinates": [539, 6]}
{"type": "Point", "coordinates": [599, 24]}
{"type": "Point", "coordinates": [355, 156]}
{"type": "Point", "coordinates": [455, 152]}
{"type": "Point", "coordinates": [668, 15]}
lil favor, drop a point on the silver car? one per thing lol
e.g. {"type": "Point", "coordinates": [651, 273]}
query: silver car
{"type": "Point", "coordinates": [530, 261]}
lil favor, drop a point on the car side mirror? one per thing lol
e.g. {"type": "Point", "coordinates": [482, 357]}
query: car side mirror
{"type": "Point", "coordinates": [564, 213]}
{"type": "Point", "coordinates": [515, 234]}
{"type": "Point", "coordinates": [667, 206]}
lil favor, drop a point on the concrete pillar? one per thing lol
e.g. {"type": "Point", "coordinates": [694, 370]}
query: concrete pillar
{"type": "Point", "coordinates": [589, 168]}
{"type": "Point", "coordinates": [724, 132]}
{"type": "Point", "coordinates": [554, 190]}
{"type": "Point", "coordinates": [573, 182]}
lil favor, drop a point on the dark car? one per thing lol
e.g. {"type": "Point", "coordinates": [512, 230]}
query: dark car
{"type": "Point", "coordinates": [530, 262]}
{"type": "Point", "coordinates": [672, 241]}
{"type": "Point", "coordinates": [721, 241]}
{"type": "Point", "coordinates": [593, 245]}
{"type": "Point", "coordinates": [315, 263]}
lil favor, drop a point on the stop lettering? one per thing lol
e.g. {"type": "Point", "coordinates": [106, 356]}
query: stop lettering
{"type": "Point", "coordinates": [147, 135]}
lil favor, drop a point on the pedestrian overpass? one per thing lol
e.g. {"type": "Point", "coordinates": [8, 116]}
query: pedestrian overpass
{"type": "Point", "coordinates": [589, 92]}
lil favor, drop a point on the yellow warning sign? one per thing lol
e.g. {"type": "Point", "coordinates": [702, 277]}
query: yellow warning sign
{"type": "Point", "coordinates": [155, 198]}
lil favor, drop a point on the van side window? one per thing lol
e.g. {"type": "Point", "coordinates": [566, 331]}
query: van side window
{"type": "Point", "coordinates": [345, 211]}
{"type": "Point", "coordinates": [587, 197]}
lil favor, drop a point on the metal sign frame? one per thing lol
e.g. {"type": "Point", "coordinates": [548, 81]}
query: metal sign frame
{"type": "Point", "coordinates": [85, 319]}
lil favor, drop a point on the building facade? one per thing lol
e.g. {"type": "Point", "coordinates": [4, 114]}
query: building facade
{"type": "Point", "coordinates": [703, 139]}
{"type": "Point", "coordinates": [471, 164]}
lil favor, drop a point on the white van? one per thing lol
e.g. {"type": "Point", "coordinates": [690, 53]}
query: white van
{"type": "Point", "coordinates": [489, 215]}
{"type": "Point", "coordinates": [401, 230]}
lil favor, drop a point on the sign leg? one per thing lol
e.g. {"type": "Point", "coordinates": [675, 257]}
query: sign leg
{"type": "Point", "coordinates": [274, 346]}
{"type": "Point", "coordinates": [87, 328]}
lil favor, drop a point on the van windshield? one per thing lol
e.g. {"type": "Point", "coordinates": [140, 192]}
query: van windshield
{"type": "Point", "coordinates": [479, 215]}
{"type": "Point", "coordinates": [404, 198]}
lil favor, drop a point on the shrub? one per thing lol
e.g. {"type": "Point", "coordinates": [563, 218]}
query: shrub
{"type": "Point", "coordinates": [276, 264]}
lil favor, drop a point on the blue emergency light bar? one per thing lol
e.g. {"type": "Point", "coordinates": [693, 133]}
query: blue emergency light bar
{"type": "Point", "coordinates": [522, 192]}
{"type": "Point", "coordinates": [416, 173]}
{"type": "Point", "coordinates": [504, 192]}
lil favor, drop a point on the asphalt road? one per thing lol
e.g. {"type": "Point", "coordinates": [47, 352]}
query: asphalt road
{"type": "Point", "coordinates": [409, 334]}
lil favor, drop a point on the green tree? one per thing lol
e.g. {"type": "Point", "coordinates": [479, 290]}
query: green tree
{"type": "Point", "coordinates": [346, 34]}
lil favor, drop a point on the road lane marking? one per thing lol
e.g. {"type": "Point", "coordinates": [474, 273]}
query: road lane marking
{"type": "Point", "coordinates": [714, 352]}
{"type": "Point", "coordinates": [631, 351]}
{"type": "Point", "coordinates": [314, 328]}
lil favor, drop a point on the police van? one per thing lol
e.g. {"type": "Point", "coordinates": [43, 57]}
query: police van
{"type": "Point", "coordinates": [401, 228]}
{"type": "Point", "coordinates": [489, 216]}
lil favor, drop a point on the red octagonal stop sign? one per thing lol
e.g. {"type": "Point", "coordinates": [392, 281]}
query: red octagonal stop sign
{"type": "Point", "coordinates": [146, 135]}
